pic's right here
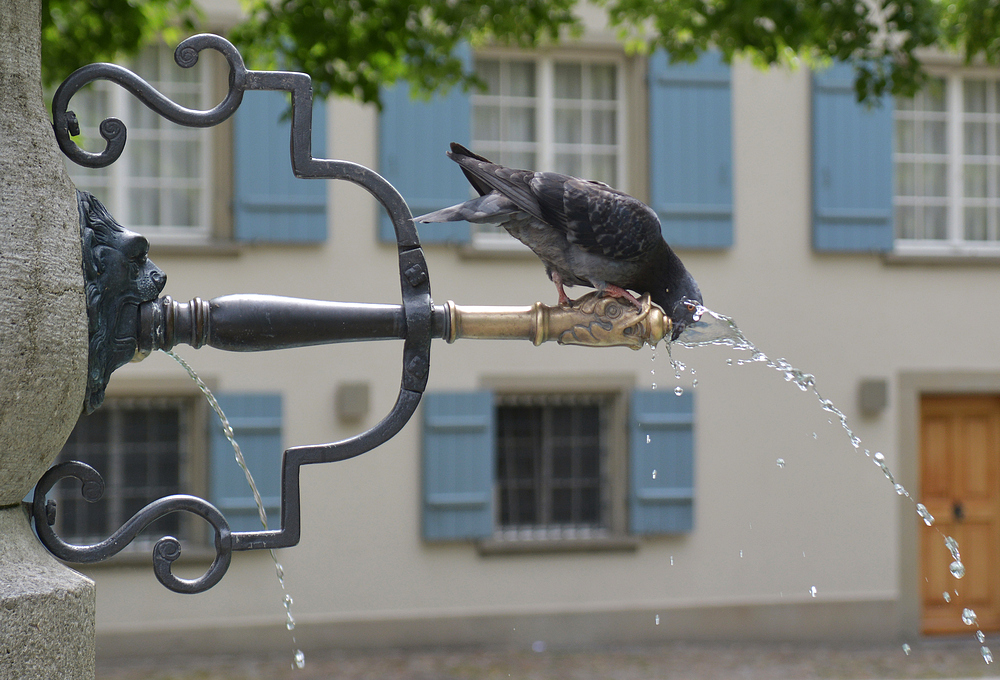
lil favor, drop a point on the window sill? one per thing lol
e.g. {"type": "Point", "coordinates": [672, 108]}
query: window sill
{"type": "Point", "coordinates": [189, 248]}
{"type": "Point", "coordinates": [495, 245]}
{"type": "Point", "coordinates": [524, 547]}
{"type": "Point", "coordinates": [924, 252]}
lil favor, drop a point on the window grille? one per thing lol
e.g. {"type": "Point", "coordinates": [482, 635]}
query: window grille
{"type": "Point", "coordinates": [552, 466]}
{"type": "Point", "coordinates": [139, 447]}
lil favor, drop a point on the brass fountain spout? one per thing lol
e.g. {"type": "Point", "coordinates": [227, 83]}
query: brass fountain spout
{"type": "Point", "coordinates": [592, 320]}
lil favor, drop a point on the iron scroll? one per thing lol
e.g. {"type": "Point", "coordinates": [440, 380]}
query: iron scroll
{"type": "Point", "coordinates": [417, 308]}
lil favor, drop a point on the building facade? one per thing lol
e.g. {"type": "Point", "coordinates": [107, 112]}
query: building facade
{"type": "Point", "coordinates": [566, 494]}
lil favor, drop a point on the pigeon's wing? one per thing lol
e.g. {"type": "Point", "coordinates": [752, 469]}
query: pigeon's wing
{"type": "Point", "coordinates": [487, 177]}
{"type": "Point", "coordinates": [597, 218]}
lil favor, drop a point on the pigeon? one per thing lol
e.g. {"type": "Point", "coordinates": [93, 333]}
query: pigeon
{"type": "Point", "coordinates": [585, 233]}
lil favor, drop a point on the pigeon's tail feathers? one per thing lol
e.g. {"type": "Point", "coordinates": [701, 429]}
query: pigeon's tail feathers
{"type": "Point", "coordinates": [459, 150]}
{"type": "Point", "coordinates": [487, 177]}
{"type": "Point", "coordinates": [492, 207]}
{"type": "Point", "coordinates": [459, 154]}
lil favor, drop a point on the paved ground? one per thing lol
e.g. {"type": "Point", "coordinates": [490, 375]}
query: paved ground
{"type": "Point", "coordinates": [926, 659]}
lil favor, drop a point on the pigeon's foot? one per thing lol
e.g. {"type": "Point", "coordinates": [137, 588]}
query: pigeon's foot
{"type": "Point", "coordinates": [611, 290]}
{"type": "Point", "coordinates": [564, 300]}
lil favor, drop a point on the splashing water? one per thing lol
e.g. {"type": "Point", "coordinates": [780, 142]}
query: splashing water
{"type": "Point", "coordinates": [279, 570]}
{"type": "Point", "coordinates": [711, 328]}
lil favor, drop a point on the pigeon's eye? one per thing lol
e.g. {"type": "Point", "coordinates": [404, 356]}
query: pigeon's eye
{"type": "Point", "coordinates": [690, 307]}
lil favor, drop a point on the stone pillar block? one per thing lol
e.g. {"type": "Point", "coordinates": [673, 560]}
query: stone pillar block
{"type": "Point", "coordinates": [46, 609]}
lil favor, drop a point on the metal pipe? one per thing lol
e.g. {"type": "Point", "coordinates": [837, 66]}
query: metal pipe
{"type": "Point", "coordinates": [252, 323]}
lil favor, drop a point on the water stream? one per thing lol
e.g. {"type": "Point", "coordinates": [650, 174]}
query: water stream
{"type": "Point", "coordinates": [299, 658]}
{"type": "Point", "coordinates": [711, 328]}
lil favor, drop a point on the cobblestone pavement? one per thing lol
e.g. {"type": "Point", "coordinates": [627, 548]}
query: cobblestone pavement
{"type": "Point", "coordinates": [959, 658]}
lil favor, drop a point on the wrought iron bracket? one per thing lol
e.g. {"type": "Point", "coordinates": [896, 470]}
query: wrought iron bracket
{"type": "Point", "coordinates": [125, 317]}
{"type": "Point", "coordinates": [416, 315]}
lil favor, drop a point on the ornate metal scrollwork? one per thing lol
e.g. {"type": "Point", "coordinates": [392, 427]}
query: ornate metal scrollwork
{"type": "Point", "coordinates": [165, 551]}
{"type": "Point", "coordinates": [416, 309]}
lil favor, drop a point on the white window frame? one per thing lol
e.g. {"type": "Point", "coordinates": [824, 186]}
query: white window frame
{"type": "Point", "coordinates": [491, 239]}
{"type": "Point", "coordinates": [119, 177]}
{"type": "Point", "coordinates": [955, 244]}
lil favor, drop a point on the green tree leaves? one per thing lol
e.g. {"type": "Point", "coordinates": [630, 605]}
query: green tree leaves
{"type": "Point", "coordinates": [76, 33]}
{"type": "Point", "coordinates": [352, 47]}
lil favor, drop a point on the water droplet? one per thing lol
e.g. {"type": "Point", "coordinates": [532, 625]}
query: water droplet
{"type": "Point", "coordinates": [290, 624]}
{"type": "Point", "coordinates": [980, 636]}
{"type": "Point", "coordinates": [654, 474]}
{"type": "Point", "coordinates": [654, 386]}
{"type": "Point", "coordinates": [812, 591]}
{"type": "Point", "coordinates": [879, 458]}
{"type": "Point", "coordinates": [647, 439]}
{"type": "Point", "coordinates": [657, 619]}
{"type": "Point", "coordinates": [900, 490]}
{"type": "Point", "coordinates": [300, 659]}
{"type": "Point", "coordinates": [925, 515]}
{"type": "Point", "coordinates": [987, 654]}
{"type": "Point", "coordinates": [694, 383]}
{"type": "Point", "coordinates": [781, 462]}
{"type": "Point", "coordinates": [815, 436]}
{"type": "Point", "coordinates": [729, 362]}
{"type": "Point", "coordinates": [906, 649]}
{"type": "Point", "coordinates": [968, 616]}
{"type": "Point", "coordinates": [952, 546]}
{"type": "Point", "coordinates": [741, 554]}
{"type": "Point", "coordinates": [678, 390]}
{"type": "Point", "coordinates": [671, 560]}
{"type": "Point", "coordinates": [288, 600]}
{"type": "Point", "coordinates": [957, 569]}
{"type": "Point", "coordinates": [946, 595]}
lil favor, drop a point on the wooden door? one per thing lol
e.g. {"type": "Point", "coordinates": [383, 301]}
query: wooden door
{"type": "Point", "coordinates": [959, 460]}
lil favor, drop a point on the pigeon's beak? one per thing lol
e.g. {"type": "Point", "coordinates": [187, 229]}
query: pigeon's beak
{"type": "Point", "coordinates": [678, 328]}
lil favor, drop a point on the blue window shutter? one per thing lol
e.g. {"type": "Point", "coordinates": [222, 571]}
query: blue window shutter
{"type": "Point", "coordinates": [664, 504]}
{"type": "Point", "coordinates": [852, 166]}
{"type": "Point", "coordinates": [271, 204]}
{"type": "Point", "coordinates": [413, 137]}
{"type": "Point", "coordinates": [458, 465]}
{"type": "Point", "coordinates": [691, 156]}
{"type": "Point", "coordinates": [256, 422]}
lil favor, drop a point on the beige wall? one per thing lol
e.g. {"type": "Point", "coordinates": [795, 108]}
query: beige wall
{"type": "Point", "coordinates": [828, 519]}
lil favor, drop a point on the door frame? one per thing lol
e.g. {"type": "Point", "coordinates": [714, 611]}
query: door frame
{"type": "Point", "coordinates": [911, 386]}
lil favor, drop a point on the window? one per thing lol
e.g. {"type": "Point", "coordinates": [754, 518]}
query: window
{"type": "Point", "coordinates": [550, 114]}
{"type": "Point", "coordinates": [140, 448]}
{"type": "Point", "coordinates": [162, 184]}
{"type": "Point", "coordinates": [552, 459]}
{"type": "Point", "coordinates": [516, 469]}
{"type": "Point", "coordinates": [947, 166]}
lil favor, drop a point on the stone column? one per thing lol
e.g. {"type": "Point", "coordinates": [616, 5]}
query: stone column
{"type": "Point", "coordinates": [46, 610]}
